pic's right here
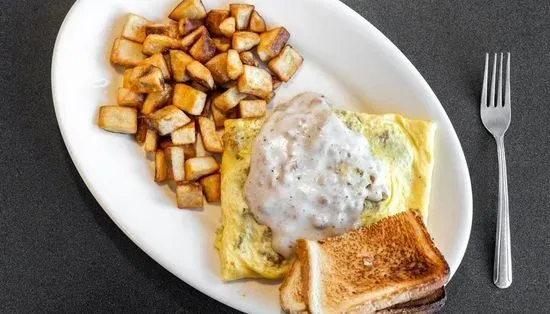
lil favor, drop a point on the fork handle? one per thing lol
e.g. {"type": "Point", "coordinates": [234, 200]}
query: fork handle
{"type": "Point", "coordinates": [502, 273]}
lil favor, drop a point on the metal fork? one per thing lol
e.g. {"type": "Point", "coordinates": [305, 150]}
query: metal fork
{"type": "Point", "coordinates": [496, 119]}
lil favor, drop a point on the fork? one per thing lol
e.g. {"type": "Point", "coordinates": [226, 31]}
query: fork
{"type": "Point", "coordinates": [496, 119]}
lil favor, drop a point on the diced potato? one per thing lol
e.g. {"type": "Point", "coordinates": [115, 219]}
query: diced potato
{"type": "Point", "coordinates": [222, 44]}
{"type": "Point", "coordinates": [151, 141]}
{"type": "Point", "coordinates": [156, 100]}
{"type": "Point", "coordinates": [286, 63]}
{"type": "Point", "coordinates": [213, 20]}
{"type": "Point", "coordinates": [118, 119]}
{"type": "Point", "coordinates": [159, 43]}
{"type": "Point", "coordinates": [192, 37]}
{"type": "Point", "coordinates": [218, 68]}
{"type": "Point", "coordinates": [244, 40]}
{"type": "Point", "coordinates": [199, 87]}
{"type": "Point", "coordinates": [257, 23]}
{"type": "Point", "coordinates": [145, 79]}
{"type": "Point", "coordinates": [158, 60]}
{"type": "Point", "coordinates": [134, 29]}
{"type": "Point", "coordinates": [184, 135]}
{"type": "Point", "coordinates": [228, 26]}
{"type": "Point", "coordinates": [255, 81]}
{"type": "Point", "coordinates": [188, 9]}
{"type": "Point", "coordinates": [161, 168]}
{"type": "Point", "coordinates": [272, 42]}
{"type": "Point", "coordinates": [186, 26]}
{"type": "Point", "coordinates": [200, 74]}
{"type": "Point", "coordinates": [241, 13]}
{"type": "Point", "coordinates": [248, 58]}
{"type": "Point", "coordinates": [169, 29]}
{"type": "Point", "coordinates": [220, 134]}
{"type": "Point", "coordinates": [128, 98]}
{"type": "Point", "coordinates": [220, 116]}
{"type": "Point", "coordinates": [252, 108]}
{"type": "Point", "coordinates": [211, 187]}
{"type": "Point", "coordinates": [178, 62]}
{"type": "Point", "coordinates": [142, 127]}
{"type": "Point", "coordinates": [168, 119]}
{"type": "Point", "coordinates": [126, 78]}
{"type": "Point", "coordinates": [175, 158]}
{"type": "Point", "coordinates": [126, 53]}
{"type": "Point", "coordinates": [189, 195]}
{"type": "Point", "coordinates": [189, 150]}
{"type": "Point", "coordinates": [198, 167]}
{"type": "Point", "coordinates": [188, 99]}
{"type": "Point", "coordinates": [207, 110]}
{"type": "Point", "coordinates": [204, 49]}
{"type": "Point", "coordinates": [209, 137]}
{"type": "Point", "coordinates": [229, 99]}
{"type": "Point", "coordinates": [234, 64]}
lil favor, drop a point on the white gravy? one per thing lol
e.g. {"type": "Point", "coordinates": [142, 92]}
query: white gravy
{"type": "Point", "coordinates": [310, 175]}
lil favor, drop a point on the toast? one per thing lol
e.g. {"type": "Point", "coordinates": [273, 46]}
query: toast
{"type": "Point", "coordinates": [391, 266]}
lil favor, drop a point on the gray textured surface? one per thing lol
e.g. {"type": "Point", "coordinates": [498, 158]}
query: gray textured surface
{"type": "Point", "coordinates": [60, 252]}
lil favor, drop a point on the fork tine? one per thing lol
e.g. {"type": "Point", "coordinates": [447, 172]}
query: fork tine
{"type": "Point", "coordinates": [507, 100]}
{"type": "Point", "coordinates": [492, 100]}
{"type": "Point", "coordinates": [484, 88]}
{"type": "Point", "coordinates": [499, 95]}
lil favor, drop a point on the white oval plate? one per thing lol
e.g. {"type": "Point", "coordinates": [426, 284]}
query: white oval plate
{"type": "Point", "coordinates": [346, 58]}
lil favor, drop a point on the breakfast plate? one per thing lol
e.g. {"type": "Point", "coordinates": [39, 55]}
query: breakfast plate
{"type": "Point", "coordinates": [345, 58]}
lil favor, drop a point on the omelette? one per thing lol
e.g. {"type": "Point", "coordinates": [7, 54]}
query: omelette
{"type": "Point", "coordinates": [404, 146]}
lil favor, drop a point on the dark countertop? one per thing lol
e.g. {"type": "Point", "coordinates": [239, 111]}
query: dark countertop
{"type": "Point", "coordinates": [59, 252]}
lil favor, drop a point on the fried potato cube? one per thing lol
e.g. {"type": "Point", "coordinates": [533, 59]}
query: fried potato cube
{"type": "Point", "coordinates": [211, 187]}
{"type": "Point", "coordinates": [134, 29]}
{"type": "Point", "coordinates": [179, 61]}
{"type": "Point", "coordinates": [241, 13]}
{"type": "Point", "coordinates": [286, 63]}
{"type": "Point", "coordinates": [158, 60]}
{"type": "Point", "coordinates": [257, 23]}
{"type": "Point", "coordinates": [118, 119]}
{"type": "Point", "coordinates": [145, 79]}
{"type": "Point", "coordinates": [170, 29]}
{"type": "Point", "coordinates": [151, 141]}
{"type": "Point", "coordinates": [198, 167]}
{"type": "Point", "coordinates": [142, 127]}
{"type": "Point", "coordinates": [244, 40]}
{"type": "Point", "coordinates": [220, 134]}
{"type": "Point", "coordinates": [168, 119]}
{"type": "Point", "coordinates": [188, 9]}
{"type": "Point", "coordinates": [186, 26]}
{"type": "Point", "coordinates": [228, 26]}
{"type": "Point", "coordinates": [252, 108]}
{"type": "Point", "coordinates": [126, 78]}
{"type": "Point", "coordinates": [218, 68]}
{"type": "Point", "coordinates": [204, 49]}
{"type": "Point", "coordinates": [220, 116]}
{"type": "Point", "coordinates": [201, 88]}
{"type": "Point", "coordinates": [161, 167]}
{"type": "Point", "coordinates": [191, 38]}
{"type": "Point", "coordinates": [209, 137]}
{"type": "Point", "coordinates": [156, 100]}
{"type": "Point", "coordinates": [175, 159]}
{"type": "Point", "coordinates": [126, 53]}
{"type": "Point", "coordinates": [248, 58]}
{"type": "Point", "coordinates": [272, 42]}
{"type": "Point", "coordinates": [184, 135]}
{"type": "Point", "coordinates": [229, 99]}
{"type": "Point", "coordinates": [188, 99]}
{"type": "Point", "coordinates": [200, 74]}
{"type": "Point", "coordinates": [213, 20]}
{"type": "Point", "coordinates": [222, 44]}
{"type": "Point", "coordinates": [128, 98]}
{"type": "Point", "coordinates": [234, 64]}
{"type": "Point", "coordinates": [155, 43]}
{"type": "Point", "coordinates": [255, 81]}
{"type": "Point", "coordinates": [189, 195]}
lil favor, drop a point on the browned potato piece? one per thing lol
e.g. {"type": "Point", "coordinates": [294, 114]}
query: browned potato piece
{"type": "Point", "coordinates": [142, 128]}
{"type": "Point", "coordinates": [155, 43]}
{"type": "Point", "coordinates": [186, 26]}
{"type": "Point", "coordinates": [118, 119]}
{"type": "Point", "coordinates": [188, 99]}
{"type": "Point", "coordinates": [179, 61]}
{"type": "Point", "coordinates": [252, 108]}
{"type": "Point", "coordinates": [248, 58]}
{"type": "Point", "coordinates": [158, 60]}
{"type": "Point", "coordinates": [198, 167]}
{"type": "Point", "coordinates": [209, 137]}
{"type": "Point", "coordinates": [255, 81]}
{"type": "Point", "coordinates": [189, 195]}
{"type": "Point", "coordinates": [151, 141]}
{"type": "Point", "coordinates": [200, 74]}
{"type": "Point", "coordinates": [128, 98]}
{"type": "Point", "coordinates": [170, 29]}
{"type": "Point", "coordinates": [241, 13]}
{"type": "Point", "coordinates": [201, 88]}
{"type": "Point", "coordinates": [191, 38]}
{"type": "Point", "coordinates": [257, 23]}
{"type": "Point", "coordinates": [211, 187]}
{"type": "Point", "coordinates": [188, 9]}
{"type": "Point", "coordinates": [234, 64]}
{"type": "Point", "coordinates": [272, 42]}
{"type": "Point", "coordinates": [145, 79]}
{"type": "Point", "coordinates": [156, 100]}
{"type": "Point", "coordinates": [126, 53]}
{"type": "Point", "coordinates": [229, 99]}
{"type": "Point", "coordinates": [134, 29]}
{"type": "Point", "coordinates": [161, 168]}
{"type": "Point", "coordinates": [175, 159]}
{"type": "Point", "coordinates": [286, 63]}
{"type": "Point", "coordinates": [126, 78]}
{"type": "Point", "coordinates": [168, 119]}
{"type": "Point", "coordinates": [218, 68]}
{"type": "Point", "coordinates": [227, 27]}
{"type": "Point", "coordinates": [213, 20]}
{"type": "Point", "coordinates": [184, 135]}
{"type": "Point", "coordinates": [220, 116]}
{"type": "Point", "coordinates": [222, 44]}
{"type": "Point", "coordinates": [204, 49]}
{"type": "Point", "coordinates": [245, 40]}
